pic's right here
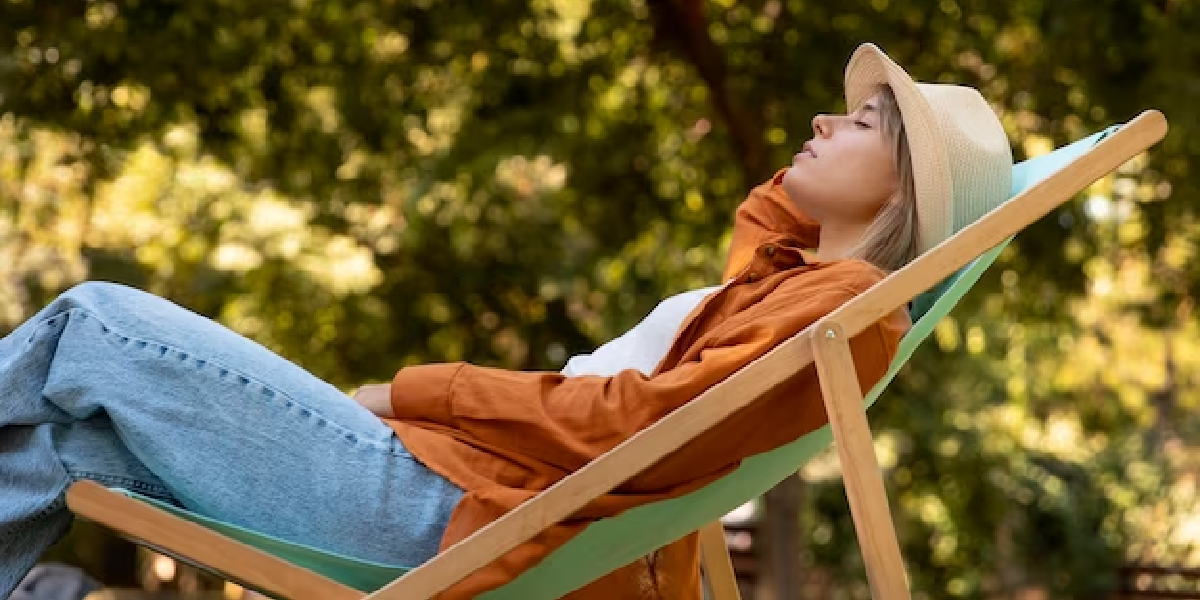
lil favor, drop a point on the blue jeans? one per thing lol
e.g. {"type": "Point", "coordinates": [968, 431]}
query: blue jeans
{"type": "Point", "coordinates": [121, 387]}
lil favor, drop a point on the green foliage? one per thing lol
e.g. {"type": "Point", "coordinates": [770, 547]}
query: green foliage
{"type": "Point", "coordinates": [362, 185]}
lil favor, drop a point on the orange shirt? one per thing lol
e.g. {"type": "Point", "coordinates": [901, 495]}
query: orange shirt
{"type": "Point", "coordinates": [505, 436]}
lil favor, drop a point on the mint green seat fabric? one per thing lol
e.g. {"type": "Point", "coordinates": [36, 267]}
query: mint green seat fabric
{"type": "Point", "coordinates": [611, 543]}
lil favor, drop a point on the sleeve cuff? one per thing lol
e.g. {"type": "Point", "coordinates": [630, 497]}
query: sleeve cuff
{"type": "Point", "coordinates": [422, 392]}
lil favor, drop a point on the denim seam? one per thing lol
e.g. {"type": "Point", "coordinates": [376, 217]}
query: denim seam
{"type": "Point", "coordinates": [133, 485]}
{"type": "Point", "coordinates": [57, 505]}
{"type": "Point", "coordinates": [243, 378]}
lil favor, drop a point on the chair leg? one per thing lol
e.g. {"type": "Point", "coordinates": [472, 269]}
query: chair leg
{"type": "Point", "coordinates": [204, 548]}
{"type": "Point", "coordinates": [718, 568]}
{"type": "Point", "coordinates": [860, 467]}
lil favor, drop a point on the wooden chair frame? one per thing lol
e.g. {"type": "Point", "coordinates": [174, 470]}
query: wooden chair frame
{"type": "Point", "coordinates": [824, 343]}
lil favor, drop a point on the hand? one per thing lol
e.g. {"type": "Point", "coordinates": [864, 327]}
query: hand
{"type": "Point", "coordinates": [376, 398]}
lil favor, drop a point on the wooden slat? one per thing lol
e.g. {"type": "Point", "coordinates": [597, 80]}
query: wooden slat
{"type": "Point", "coordinates": [718, 568]}
{"type": "Point", "coordinates": [600, 476]}
{"type": "Point", "coordinates": [860, 468]}
{"type": "Point", "coordinates": [1132, 576]}
{"type": "Point", "coordinates": [159, 529]}
{"type": "Point", "coordinates": [1157, 595]}
{"type": "Point", "coordinates": [650, 445]}
{"type": "Point", "coordinates": [1133, 570]}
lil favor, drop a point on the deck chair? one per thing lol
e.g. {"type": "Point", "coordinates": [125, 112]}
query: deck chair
{"type": "Point", "coordinates": [284, 570]}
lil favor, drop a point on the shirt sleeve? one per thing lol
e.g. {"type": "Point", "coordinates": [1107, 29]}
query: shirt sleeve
{"type": "Point", "coordinates": [568, 421]}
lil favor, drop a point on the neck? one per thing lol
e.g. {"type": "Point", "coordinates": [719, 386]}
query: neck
{"type": "Point", "coordinates": [837, 240]}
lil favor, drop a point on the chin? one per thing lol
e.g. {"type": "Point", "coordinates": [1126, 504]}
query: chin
{"type": "Point", "coordinates": [791, 183]}
{"type": "Point", "coordinates": [794, 184]}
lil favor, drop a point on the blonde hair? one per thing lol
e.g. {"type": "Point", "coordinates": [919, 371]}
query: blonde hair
{"type": "Point", "coordinates": [890, 242]}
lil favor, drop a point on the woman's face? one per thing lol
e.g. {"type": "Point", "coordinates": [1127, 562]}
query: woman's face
{"type": "Point", "coordinates": [846, 172]}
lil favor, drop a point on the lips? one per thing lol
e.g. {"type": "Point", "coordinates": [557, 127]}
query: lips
{"type": "Point", "coordinates": [805, 152]}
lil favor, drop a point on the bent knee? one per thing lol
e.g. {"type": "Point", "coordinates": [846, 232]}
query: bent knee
{"type": "Point", "coordinates": [98, 290]}
{"type": "Point", "coordinates": [103, 298]}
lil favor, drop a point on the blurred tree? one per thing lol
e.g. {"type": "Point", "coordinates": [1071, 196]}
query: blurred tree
{"type": "Point", "coordinates": [362, 185]}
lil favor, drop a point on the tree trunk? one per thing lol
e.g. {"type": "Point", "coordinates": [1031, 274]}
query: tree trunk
{"type": "Point", "coordinates": [779, 552]}
{"type": "Point", "coordinates": [683, 26]}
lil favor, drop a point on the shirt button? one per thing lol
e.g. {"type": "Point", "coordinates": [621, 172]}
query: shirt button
{"type": "Point", "coordinates": [770, 251]}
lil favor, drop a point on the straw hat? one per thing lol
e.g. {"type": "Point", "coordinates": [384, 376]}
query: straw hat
{"type": "Point", "coordinates": [962, 164]}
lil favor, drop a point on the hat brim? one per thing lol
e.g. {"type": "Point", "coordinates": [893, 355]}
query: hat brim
{"type": "Point", "coordinates": [869, 68]}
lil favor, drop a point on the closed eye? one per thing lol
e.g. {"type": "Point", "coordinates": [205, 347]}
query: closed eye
{"type": "Point", "coordinates": [863, 124]}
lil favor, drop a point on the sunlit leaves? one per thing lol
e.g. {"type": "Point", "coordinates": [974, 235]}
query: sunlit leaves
{"type": "Point", "coordinates": [361, 185]}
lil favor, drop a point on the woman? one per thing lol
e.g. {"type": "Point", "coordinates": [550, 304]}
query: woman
{"type": "Point", "coordinates": [114, 385]}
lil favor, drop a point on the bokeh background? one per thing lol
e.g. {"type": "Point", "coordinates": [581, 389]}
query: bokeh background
{"type": "Point", "coordinates": [365, 184]}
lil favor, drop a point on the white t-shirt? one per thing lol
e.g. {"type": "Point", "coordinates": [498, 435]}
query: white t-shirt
{"type": "Point", "coordinates": [644, 346]}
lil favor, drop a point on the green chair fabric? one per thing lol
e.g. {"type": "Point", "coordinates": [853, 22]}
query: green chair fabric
{"type": "Point", "coordinates": [352, 572]}
{"type": "Point", "coordinates": [611, 543]}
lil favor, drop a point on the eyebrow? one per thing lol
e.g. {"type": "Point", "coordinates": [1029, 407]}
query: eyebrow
{"type": "Point", "coordinates": [864, 110]}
